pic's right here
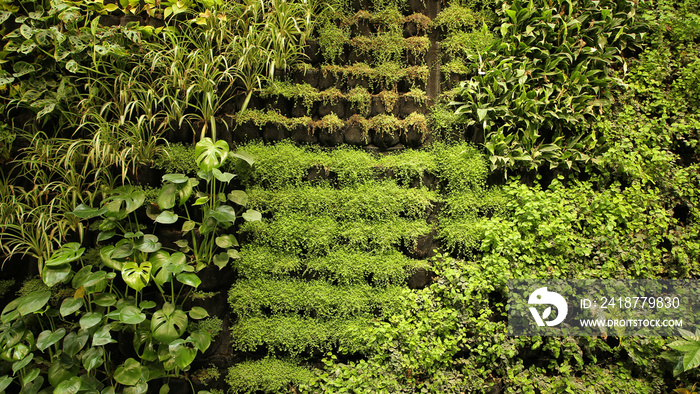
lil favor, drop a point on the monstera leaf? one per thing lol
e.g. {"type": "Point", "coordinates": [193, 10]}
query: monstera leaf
{"type": "Point", "coordinates": [209, 154]}
{"type": "Point", "coordinates": [135, 275]}
{"type": "Point", "coordinates": [168, 324]}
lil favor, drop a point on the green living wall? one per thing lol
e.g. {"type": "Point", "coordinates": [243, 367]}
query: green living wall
{"type": "Point", "coordinates": [300, 196]}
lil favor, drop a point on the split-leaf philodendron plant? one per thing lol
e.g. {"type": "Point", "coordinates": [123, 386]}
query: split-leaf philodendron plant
{"type": "Point", "coordinates": [63, 338]}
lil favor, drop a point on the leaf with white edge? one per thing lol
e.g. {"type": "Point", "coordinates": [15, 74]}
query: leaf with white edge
{"type": "Point", "coordinates": [167, 217]}
{"type": "Point", "coordinates": [197, 312]}
{"type": "Point", "coordinates": [252, 215]}
{"type": "Point", "coordinates": [239, 197]}
{"type": "Point", "coordinates": [201, 201]}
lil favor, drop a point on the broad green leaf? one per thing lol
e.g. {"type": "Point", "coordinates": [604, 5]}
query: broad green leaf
{"type": "Point", "coordinates": [70, 386]}
{"type": "Point", "coordinates": [209, 154]}
{"type": "Point", "coordinates": [4, 382]}
{"type": "Point", "coordinates": [149, 243]}
{"type": "Point", "coordinates": [90, 319]}
{"type": "Point", "coordinates": [33, 302]}
{"type": "Point", "coordinates": [220, 260]}
{"type": "Point", "coordinates": [93, 358]}
{"type": "Point", "coordinates": [106, 257]}
{"type": "Point", "coordinates": [85, 212]}
{"type": "Point", "coordinates": [18, 365]}
{"type": "Point", "coordinates": [66, 254]}
{"type": "Point", "coordinates": [60, 372]}
{"type": "Point", "coordinates": [135, 275]}
{"type": "Point", "coordinates": [48, 338]}
{"type": "Point", "coordinates": [70, 306]}
{"type": "Point", "coordinates": [201, 200]}
{"type": "Point", "coordinates": [176, 178]}
{"type": "Point", "coordinates": [252, 215]}
{"type": "Point", "coordinates": [105, 299]}
{"type": "Point", "coordinates": [226, 241]}
{"type": "Point", "coordinates": [201, 339]}
{"type": "Point", "coordinates": [168, 195]}
{"type": "Point", "coordinates": [102, 336]}
{"type": "Point", "coordinates": [168, 324]}
{"type": "Point", "coordinates": [248, 158]}
{"type": "Point", "coordinates": [55, 274]}
{"type": "Point", "coordinates": [187, 226]}
{"type": "Point", "coordinates": [124, 248]}
{"type": "Point", "coordinates": [197, 312]}
{"type": "Point", "coordinates": [225, 177]}
{"type": "Point", "coordinates": [233, 253]}
{"type": "Point", "coordinates": [128, 373]}
{"type": "Point", "coordinates": [189, 279]}
{"type": "Point", "coordinates": [182, 354]}
{"type": "Point", "coordinates": [105, 235]}
{"type": "Point", "coordinates": [167, 217]}
{"type": "Point", "coordinates": [238, 197]}
{"type": "Point", "coordinates": [131, 315]}
{"type": "Point", "coordinates": [27, 378]}
{"type": "Point", "coordinates": [74, 342]}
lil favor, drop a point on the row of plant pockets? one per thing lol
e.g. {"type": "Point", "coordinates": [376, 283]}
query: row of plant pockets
{"type": "Point", "coordinates": [331, 123]}
{"type": "Point", "coordinates": [375, 49]}
{"type": "Point", "coordinates": [359, 97]}
{"type": "Point", "coordinates": [387, 76]}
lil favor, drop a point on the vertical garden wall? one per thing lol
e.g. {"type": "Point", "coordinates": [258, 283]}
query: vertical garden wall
{"type": "Point", "coordinates": [300, 196]}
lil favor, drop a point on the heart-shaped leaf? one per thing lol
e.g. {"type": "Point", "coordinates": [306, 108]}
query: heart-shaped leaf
{"type": "Point", "coordinates": [131, 315]}
{"type": "Point", "coordinates": [93, 358]}
{"type": "Point", "coordinates": [167, 217]}
{"type": "Point", "coordinates": [135, 275]}
{"type": "Point", "coordinates": [239, 197]}
{"type": "Point", "coordinates": [252, 215]}
{"type": "Point", "coordinates": [209, 154]}
{"type": "Point", "coordinates": [70, 306]}
{"type": "Point", "coordinates": [48, 338]}
{"type": "Point", "coordinates": [128, 373]}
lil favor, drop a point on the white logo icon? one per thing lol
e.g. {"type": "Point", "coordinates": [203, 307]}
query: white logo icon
{"type": "Point", "coordinates": [543, 297]}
